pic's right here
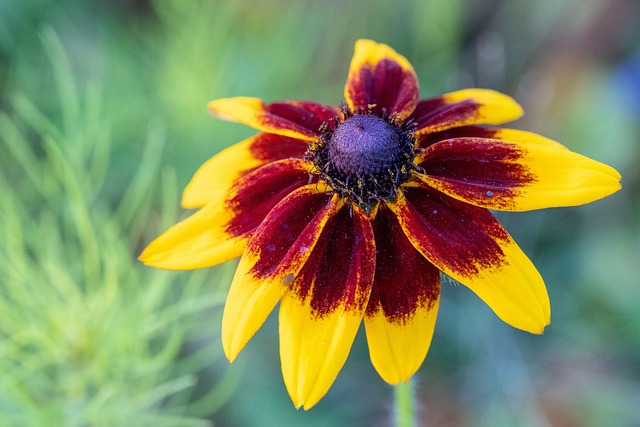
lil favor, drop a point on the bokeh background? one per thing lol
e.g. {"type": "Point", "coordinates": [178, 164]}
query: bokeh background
{"type": "Point", "coordinates": [103, 121]}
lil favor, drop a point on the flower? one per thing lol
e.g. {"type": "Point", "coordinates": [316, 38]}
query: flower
{"type": "Point", "coordinates": [344, 214]}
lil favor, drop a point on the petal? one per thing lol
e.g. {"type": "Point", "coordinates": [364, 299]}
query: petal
{"type": "Point", "coordinates": [379, 76]}
{"type": "Point", "coordinates": [311, 115]}
{"type": "Point", "coordinates": [507, 135]}
{"type": "Point", "coordinates": [202, 240]}
{"type": "Point", "coordinates": [295, 119]}
{"type": "Point", "coordinates": [218, 174]}
{"type": "Point", "coordinates": [464, 107]}
{"type": "Point", "coordinates": [403, 306]}
{"type": "Point", "coordinates": [275, 254]}
{"type": "Point", "coordinates": [467, 243]}
{"type": "Point", "coordinates": [259, 191]}
{"type": "Point", "coordinates": [515, 176]}
{"type": "Point", "coordinates": [320, 315]}
{"type": "Point", "coordinates": [220, 231]}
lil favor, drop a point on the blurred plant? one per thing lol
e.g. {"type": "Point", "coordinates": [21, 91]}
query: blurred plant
{"type": "Point", "coordinates": [88, 337]}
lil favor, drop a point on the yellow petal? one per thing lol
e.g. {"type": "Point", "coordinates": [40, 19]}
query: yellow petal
{"type": "Point", "coordinates": [249, 302]}
{"type": "Point", "coordinates": [398, 348]}
{"type": "Point", "coordinates": [464, 107]}
{"type": "Point", "coordinates": [368, 52]}
{"type": "Point", "coordinates": [219, 173]}
{"type": "Point", "coordinates": [253, 112]}
{"type": "Point", "coordinates": [198, 241]}
{"type": "Point", "coordinates": [519, 176]}
{"type": "Point", "coordinates": [403, 305]}
{"type": "Point", "coordinates": [313, 349]}
{"type": "Point", "coordinates": [320, 315]}
{"type": "Point", "coordinates": [524, 137]}
{"type": "Point", "coordinates": [495, 107]}
{"type": "Point", "coordinates": [514, 290]}
{"type": "Point", "coordinates": [564, 178]}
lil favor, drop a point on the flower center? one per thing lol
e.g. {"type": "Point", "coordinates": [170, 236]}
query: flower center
{"type": "Point", "coordinates": [364, 158]}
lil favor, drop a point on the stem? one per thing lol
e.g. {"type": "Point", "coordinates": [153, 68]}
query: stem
{"type": "Point", "coordinates": [405, 410]}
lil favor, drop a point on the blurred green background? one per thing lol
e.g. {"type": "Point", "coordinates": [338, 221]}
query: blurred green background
{"type": "Point", "coordinates": [103, 121]}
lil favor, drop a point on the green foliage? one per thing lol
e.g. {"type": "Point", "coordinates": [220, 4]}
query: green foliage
{"type": "Point", "coordinates": [87, 335]}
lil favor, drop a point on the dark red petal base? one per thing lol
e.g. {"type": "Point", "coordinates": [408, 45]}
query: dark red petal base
{"type": "Point", "coordinates": [454, 235]}
{"type": "Point", "coordinates": [478, 169]}
{"type": "Point", "coordinates": [387, 86]}
{"type": "Point", "coordinates": [307, 114]}
{"type": "Point", "coordinates": [260, 190]}
{"type": "Point", "coordinates": [437, 113]}
{"type": "Point", "coordinates": [404, 279]}
{"type": "Point", "coordinates": [340, 270]}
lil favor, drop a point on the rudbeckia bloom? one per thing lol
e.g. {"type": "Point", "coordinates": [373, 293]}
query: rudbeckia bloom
{"type": "Point", "coordinates": [344, 214]}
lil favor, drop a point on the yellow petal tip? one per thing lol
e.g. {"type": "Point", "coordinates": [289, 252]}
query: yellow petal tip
{"type": "Point", "coordinates": [147, 255]}
{"type": "Point", "coordinates": [230, 350]}
{"type": "Point", "coordinates": [234, 109]}
{"type": "Point", "coordinates": [497, 107]}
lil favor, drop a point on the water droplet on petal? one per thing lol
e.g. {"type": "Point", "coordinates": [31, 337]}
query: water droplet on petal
{"type": "Point", "coordinates": [286, 280]}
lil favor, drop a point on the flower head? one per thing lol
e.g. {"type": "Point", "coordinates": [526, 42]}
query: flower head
{"type": "Point", "coordinates": [344, 214]}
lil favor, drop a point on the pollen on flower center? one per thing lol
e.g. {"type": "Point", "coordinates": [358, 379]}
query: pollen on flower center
{"type": "Point", "coordinates": [364, 158]}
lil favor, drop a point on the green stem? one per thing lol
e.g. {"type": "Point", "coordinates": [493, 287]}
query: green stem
{"type": "Point", "coordinates": [405, 408]}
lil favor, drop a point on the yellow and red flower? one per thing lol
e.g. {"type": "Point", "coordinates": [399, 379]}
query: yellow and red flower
{"type": "Point", "coordinates": [344, 214]}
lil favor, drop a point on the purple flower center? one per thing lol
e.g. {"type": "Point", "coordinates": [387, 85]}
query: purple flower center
{"type": "Point", "coordinates": [365, 144]}
{"type": "Point", "coordinates": [364, 158]}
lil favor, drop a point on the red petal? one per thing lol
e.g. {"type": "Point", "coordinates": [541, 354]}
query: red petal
{"type": "Point", "coordinates": [307, 114]}
{"type": "Point", "coordinates": [454, 235]}
{"type": "Point", "coordinates": [339, 272]}
{"type": "Point", "coordinates": [259, 191]}
{"type": "Point", "coordinates": [274, 255]}
{"type": "Point", "coordinates": [484, 172]}
{"type": "Point", "coordinates": [405, 280]}
{"type": "Point", "coordinates": [464, 107]}
{"type": "Point", "coordinates": [458, 132]}
{"type": "Point", "coordinates": [293, 119]}
{"type": "Point", "coordinates": [269, 147]}
{"type": "Point", "coordinates": [284, 236]}
{"type": "Point", "coordinates": [379, 76]}
{"type": "Point", "coordinates": [468, 244]}
{"type": "Point", "coordinates": [503, 134]}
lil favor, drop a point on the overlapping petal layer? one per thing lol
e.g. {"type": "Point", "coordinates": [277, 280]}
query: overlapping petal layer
{"type": "Point", "coordinates": [220, 231]}
{"type": "Point", "coordinates": [321, 313]}
{"type": "Point", "coordinates": [515, 176]}
{"type": "Point", "coordinates": [274, 256]}
{"type": "Point", "coordinates": [403, 306]}
{"type": "Point", "coordinates": [503, 134]}
{"type": "Point", "coordinates": [464, 107]}
{"type": "Point", "coordinates": [216, 176]}
{"type": "Point", "coordinates": [294, 119]}
{"type": "Point", "coordinates": [467, 243]}
{"type": "Point", "coordinates": [381, 78]}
